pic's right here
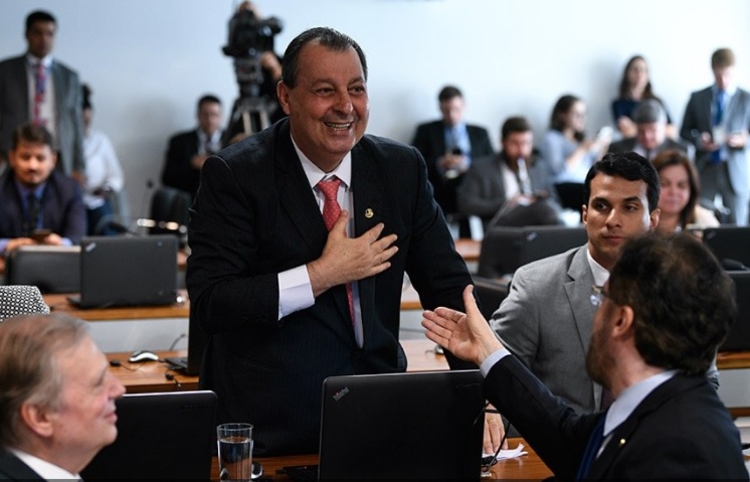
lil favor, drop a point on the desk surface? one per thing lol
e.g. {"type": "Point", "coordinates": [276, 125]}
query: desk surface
{"type": "Point", "coordinates": [151, 376]}
{"type": "Point", "coordinates": [59, 303]}
{"type": "Point", "coordinates": [525, 467]}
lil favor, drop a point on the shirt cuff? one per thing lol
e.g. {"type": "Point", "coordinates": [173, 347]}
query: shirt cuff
{"type": "Point", "coordinates": [295, 291]}
{"type": "Point", "coordinates": [490, 361]}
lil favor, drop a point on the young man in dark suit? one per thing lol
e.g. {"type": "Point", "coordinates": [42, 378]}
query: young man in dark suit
{"type": "Point", "coordinates": [449, 146]}
{"type": "Point", "coordinates": [55, 102]}
{"type": "Point", "coordinates": [667, 306]}
{"type": "Point", "coordinates": [300, 237]}
{"type": "Point", "coordinates": [38, 204]}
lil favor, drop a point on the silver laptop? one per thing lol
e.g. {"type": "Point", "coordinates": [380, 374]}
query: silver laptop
{"type": "Point", "coordinates": [425, 425]}
{"type": "Point", "coordinates": [160, 436]}
{"type": "Point", "coordinates": [127, 271]}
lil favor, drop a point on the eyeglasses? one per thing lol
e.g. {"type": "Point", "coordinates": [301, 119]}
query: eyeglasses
{"type": "Point", "coordinates": [597, 295]}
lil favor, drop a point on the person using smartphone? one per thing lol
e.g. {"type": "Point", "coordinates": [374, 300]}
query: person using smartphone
{"type": "Point", "coordinates": [38, 203]}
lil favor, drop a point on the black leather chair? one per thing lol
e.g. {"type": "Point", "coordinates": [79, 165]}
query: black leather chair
{"type": "Point", "coordinates": [490, 294]}
{"type": "Point", "coordinates": [170, 205]}
{"type": "Point", "coordinates": [53, 269]}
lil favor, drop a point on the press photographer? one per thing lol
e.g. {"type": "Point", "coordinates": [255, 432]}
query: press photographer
{"type": "Point", "coordinates": [258, 69]}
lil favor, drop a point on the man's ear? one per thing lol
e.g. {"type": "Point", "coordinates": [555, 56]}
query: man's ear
{"type": "Point", "coordinates": [53, 158]}
{"type": "Point", "coordinates": [37, 419]}
{"type": "Point", "coordinates": [282, 92]}
{"type": "Point", "coordinates": [623, 321]}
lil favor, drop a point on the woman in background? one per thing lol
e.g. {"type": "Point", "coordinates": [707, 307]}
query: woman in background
{"type": "Point", "coordinates": [635, 86]}
{"type": "Point", "coordinates": [104, 178]}
{"type": "Point", "coordinates": [678, 199]}
{"type": "Point", "coordinates": [565, 148]}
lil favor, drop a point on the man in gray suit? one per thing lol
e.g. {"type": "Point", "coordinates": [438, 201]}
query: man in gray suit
{"type": "Point", "coordinates": [37, 89]}
{"type": "Point", "coordinates": [717, 120]}
{"type": "Point", "coordinates": [547, 319]}
{"type": "Point", "coordinates": [651, 138]}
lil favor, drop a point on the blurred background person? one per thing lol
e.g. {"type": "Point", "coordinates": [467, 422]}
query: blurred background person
{"type": "Point", "coordinates": [511, 188]}
{"type": "Point", "coordinates": [650, 120]}
{"type": "Point", "coordinates": [188, 150]}
{"type": "Point", "coordinates": [635, 86]}
{"type": "Point", "coordinates": [36, 88]}
{"type": "Point", "coordinates": [104, 178]}
{"type": "Point", "coordinates": [680, 194]}
{"type": "Point", "coordinates": [448, 146]}
{"type": "Point", "coordinates": [716, 121]}
{"type": "Point", "coordinates": [565, 148]}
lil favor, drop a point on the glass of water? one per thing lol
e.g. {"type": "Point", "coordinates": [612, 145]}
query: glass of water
{"type": "Point", "coordinates": [235, 442]}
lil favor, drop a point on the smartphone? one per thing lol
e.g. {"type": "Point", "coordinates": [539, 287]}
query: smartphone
{"type": "Point", "coordinates": [39, 234]}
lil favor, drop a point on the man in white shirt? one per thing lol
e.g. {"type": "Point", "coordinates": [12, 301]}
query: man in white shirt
{"type": "Point", "coordinates": [667, 306]}
{"type": "Point", "coordinates": [57, 398]}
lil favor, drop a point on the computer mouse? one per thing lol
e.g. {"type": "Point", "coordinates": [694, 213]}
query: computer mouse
{"type": "Point", "coordinates": [143, 355]}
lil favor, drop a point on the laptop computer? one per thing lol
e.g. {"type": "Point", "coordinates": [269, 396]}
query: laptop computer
{"type": "Point", "coordinates": [168, 435]}
{"type": "Point", "coordinates": [425, 425]}
{"type": "Point", "coordinates": [738, 338]}
{"type": "Point", "coordinates": [197, 341]}
{"type": "Point", "coordinates": [127, 271]}
{"type": "Point", "coordinates": [729, 244]}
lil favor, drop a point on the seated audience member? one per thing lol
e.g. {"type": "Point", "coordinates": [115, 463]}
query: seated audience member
{"type": "Point", "coordinates": [635, 87]}
{"type": "Point", "coordinates": [565, 148]}
{"type": "Point", "coordinates": [104, 178]}
{"type": "Point", "coordinates": [660, 318]}
{"type": "Point", "coordinates": [680, 194]}
{"type": "Point", "coordinates": [57, 398]}
{"type": "Point", "coordinates": [651, 132]}
{"type": "Point", "coordinates": [188, 150]}
{"type": "Point", "coordinates": [510, 188]}
{"type": "Point", "coordinates": [448, 146]}
{"type": "Point", "coordinates": [38, 204]}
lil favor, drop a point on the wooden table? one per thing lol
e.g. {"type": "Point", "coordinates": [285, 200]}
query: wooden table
{"type": "Point", "coordinates": [59, 303]}
{"type": "Point", "coordinates": [468, 248]}
{"type": "Point", "coordinates": [151, 376]}
{"type": "Point", "coordinates": [525, 467]}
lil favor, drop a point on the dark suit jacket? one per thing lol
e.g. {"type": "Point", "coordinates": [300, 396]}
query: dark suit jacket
{"type": "Point", "coordinates": [627, 145]}
{"type": "Point", "coordinates": [14, 109]}
{"type": "Point", "coordinates": [62, 207]}
{"type": "Point", "coordinates": [681, 430]}
{"type": "Point", "coordinates": [255, 216]}
{"type": "Point", "coordinates": [430, 140]}
{"type": "Point", "coordinates": [11, 468]}
{"type": "Point", "coordinates": [178, 172]}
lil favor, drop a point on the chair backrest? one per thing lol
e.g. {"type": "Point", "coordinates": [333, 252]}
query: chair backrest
{"type": "Point", "coordinates": [53, 269]}
{"type": "Point", "coordinates": [505, 248]}
{"type": "Point", "coordinates": [490, 294]}
{"type": "Point", "coordinates": [21, 300]}
{"type": "Point", "coordinates": [169, 205]}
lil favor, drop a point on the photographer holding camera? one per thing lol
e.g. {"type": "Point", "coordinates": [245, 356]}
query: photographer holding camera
{"type": "Point", "coordinates": [258, 70]}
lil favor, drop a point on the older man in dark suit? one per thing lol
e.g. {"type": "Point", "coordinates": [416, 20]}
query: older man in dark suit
{"type": "Point", "coordinates": [55, 99]}
{"type": "Point", "coordinates": [38, 205]}
{"type": "Point", "coordinates": [300, 236]}
{"type": "Point", "coordinates": [660, 318]}
{"type": "Point", "coordinates": [651, 139]}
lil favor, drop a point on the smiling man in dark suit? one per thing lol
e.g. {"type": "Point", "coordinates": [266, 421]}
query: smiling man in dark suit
{"type": "Point", "coordinates": [295, 280]}
{"type": "Point", "coordinates": [667, 306]}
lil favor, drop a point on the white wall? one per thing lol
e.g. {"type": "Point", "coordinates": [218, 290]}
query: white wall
{"type": "Point", "coordinates": [148, 61]}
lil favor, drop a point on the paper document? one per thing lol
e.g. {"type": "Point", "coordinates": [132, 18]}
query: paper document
{"type": "Point", "coordinates": [510, 453]}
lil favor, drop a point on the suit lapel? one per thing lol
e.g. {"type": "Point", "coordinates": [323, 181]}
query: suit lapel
{"type": "Point", "coordinates": [368, 211]}
{"type": "Point", "coordinates": [14, 469]}
{"type": "Point", "coordinates": [578, 289]}
{"type": "Point", "coordinates": [623, 433]}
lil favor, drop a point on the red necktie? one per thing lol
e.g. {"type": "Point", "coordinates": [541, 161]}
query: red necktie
{"type": "Point", "coordinates": [331, 212]}
{"type": "Point", "coordinates": [40, 88]}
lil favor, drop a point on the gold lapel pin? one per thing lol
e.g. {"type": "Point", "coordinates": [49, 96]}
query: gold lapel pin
{"type": "Point", "coordinates": [369, 213]}
{"type": "Point", "coordinates": [622, 442]}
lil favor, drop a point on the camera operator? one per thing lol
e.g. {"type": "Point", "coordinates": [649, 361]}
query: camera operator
{"type": "Point", "coordinates": [251, 40]}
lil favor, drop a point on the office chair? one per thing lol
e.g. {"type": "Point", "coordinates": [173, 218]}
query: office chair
{"type": "Point", "coordinates": [490, 294]}
{"type": "Point", "coordinates": [21, 300]}
{"type": "Point", "coordinates": [52, 269]}
{"type": "Point", "coordinates": [169, 205]}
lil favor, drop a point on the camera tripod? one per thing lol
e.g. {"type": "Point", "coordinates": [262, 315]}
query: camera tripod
{"type": "Point", "coordinates": [250, 115]}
